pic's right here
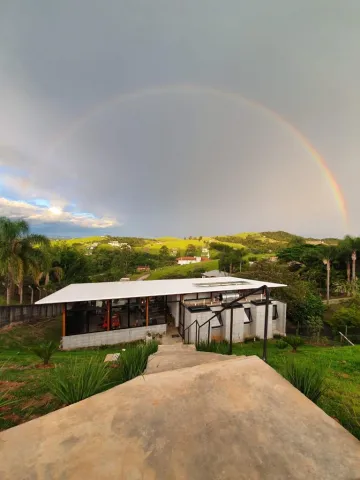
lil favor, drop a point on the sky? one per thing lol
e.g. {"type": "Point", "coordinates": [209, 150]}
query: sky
{"type": "Point", "coordinates": [181, 117]}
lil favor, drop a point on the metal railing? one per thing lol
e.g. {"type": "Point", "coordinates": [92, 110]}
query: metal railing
{"type": "Point", "coordinates": [198, 327]}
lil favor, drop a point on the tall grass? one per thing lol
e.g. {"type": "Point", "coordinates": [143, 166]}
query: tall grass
{"type": "Point", "coordinates": [78, 380]}
{"type": "Point", "coordinates": [307, 377]}
{"type": "Point", "coordinates": [4, 399]}
{"type": "Point", "coordinates": [214, 347]}
{"type": "Point", "coordinates": [133, 361]}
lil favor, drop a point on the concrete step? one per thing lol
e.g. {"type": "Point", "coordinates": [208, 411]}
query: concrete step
{"type": "Point", "coordinates": [175, 357]}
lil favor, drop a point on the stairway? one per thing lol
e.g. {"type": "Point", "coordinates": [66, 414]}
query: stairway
{"type": "Point", "coordinates": [177, 356]}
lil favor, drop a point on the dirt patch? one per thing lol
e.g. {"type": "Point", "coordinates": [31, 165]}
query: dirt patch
{"type": "Point", "coordinates": [12, 417]}
{"type": "Point", "coordinates": [42, 366]}
{"type": "Point", "coordinates": [343, 375]}
{"type": "Point", "coordinates": [38, 402]}
{"type": "Point", "coordinates": [7, 386]}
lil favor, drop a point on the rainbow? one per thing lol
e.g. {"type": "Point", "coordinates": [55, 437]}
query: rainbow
{"type": "Point", "coordinates": [81, 121]}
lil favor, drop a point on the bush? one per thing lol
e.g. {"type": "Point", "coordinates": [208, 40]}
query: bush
{"type": "Point", "coordinates": [78, 380]}
{"type": "Point", "coordinates": [294, 341]}
{"type": "Point", "coordinates": [281, 344]}
{"type": "Point", "coordinates": [314, 325]}
{"type": "Point", "coordinates": [133, 361]}
{"type": "Point", "coordinates": [306, 377]}
{"type": "Point", "coordinates": [215, 347]}
{"type": "Point", "coordinates": [45, 351]}
{"type": "Point", "coordinates": [278, 336]}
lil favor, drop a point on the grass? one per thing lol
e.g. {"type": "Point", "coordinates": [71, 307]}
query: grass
{"type": "Point", "coordinates": [341, 400]}
{"type": "Point", "coordinates": [133, 361]}
{"type": "Point", "coordinates": [306, 377]}
{"type": "Point", "coordinates": [78, 380]}
{"type": "Point", "coordinates": [183, 270]}
{"type": "Point", "coordinates": [214, 347]}
{"type": "Point", "coordinates": [23, 379]}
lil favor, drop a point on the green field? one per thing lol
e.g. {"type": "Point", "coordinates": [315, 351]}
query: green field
{"type": "Point", "coordinates": [183, 270]}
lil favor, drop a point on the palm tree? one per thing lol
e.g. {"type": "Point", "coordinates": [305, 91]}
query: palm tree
{"type": "Point", "coordinates": [45, 268]}
{"type": "Point", "coordinates": [18, 253]}
{"type": "Point", "coordinates": [328, 254]}
{"type": "Point", "coordinates": [350, 246]}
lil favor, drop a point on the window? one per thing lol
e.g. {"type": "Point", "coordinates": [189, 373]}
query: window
{"type": "Point", "coordinates": [248, 318]}
{"type": "Point", "coordinates": [275, 314]}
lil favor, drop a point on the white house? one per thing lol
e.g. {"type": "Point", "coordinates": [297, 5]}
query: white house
{"type": "Point", "coordinates": [188, 260]}
{"type": "Point", "coordinates": [202, 309]}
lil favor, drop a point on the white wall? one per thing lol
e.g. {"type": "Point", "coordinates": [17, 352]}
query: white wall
{"type": "Point", "coordinates": [173, 305]}
{"type": "Point", "coordinates": [112, 337]}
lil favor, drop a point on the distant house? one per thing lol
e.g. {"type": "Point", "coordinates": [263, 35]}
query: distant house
{"type": "Point", "coordinates": [143, 268]}
{"type": "Point", "coordinates": [214, 273]}
{"type": "Point", "coordinates": [205, 252]}
{"type": "Point", "coordinates": [116, 243]}
{"type": "Point", "coordinates": [188, 260]}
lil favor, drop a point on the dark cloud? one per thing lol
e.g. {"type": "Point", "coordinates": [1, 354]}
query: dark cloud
{"type": "Point", "coordinates": [181, 162]}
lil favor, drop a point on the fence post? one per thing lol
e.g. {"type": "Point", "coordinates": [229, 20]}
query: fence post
{"type": "Point", "coordinates": [231, 330]}
{"type": "Point", "coordinates": [267, 295]}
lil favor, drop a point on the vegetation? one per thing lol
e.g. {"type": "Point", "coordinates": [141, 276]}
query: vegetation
{"type": "Point", "coordinates": [214, 347]}
{"type": "Point", "coordinates": [133, 361]}
{"type": "Point", "coordinates": [192, 270]}
{"type": "Point", "coordinates": [294, 341]}
{"type": "Point", "coordinates": [78, 380]}
{"type": "Point", "coordinates": [306, 377]}
{"type": "Point", "coordinates": [281, 344]}
{"type": "Point", "coordinates": [45, 351]}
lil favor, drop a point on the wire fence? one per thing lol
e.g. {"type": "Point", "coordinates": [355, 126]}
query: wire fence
{"type": "Point", "coordinates": [326, 333]}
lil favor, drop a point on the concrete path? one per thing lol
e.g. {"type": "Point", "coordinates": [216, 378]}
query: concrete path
{"type": "Point", "coordinates": [234, 419]}
{"type": "Point", "coordinates": [175, 357]}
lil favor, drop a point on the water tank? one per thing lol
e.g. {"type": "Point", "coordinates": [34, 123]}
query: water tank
{"type": "Point", "coordinates": [228, 297]}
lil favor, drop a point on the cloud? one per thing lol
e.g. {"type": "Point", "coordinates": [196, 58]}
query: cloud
{"type": "Point", "coordinates": [36, 214]}
{"type": "Point", "coordinates": [178, 163]}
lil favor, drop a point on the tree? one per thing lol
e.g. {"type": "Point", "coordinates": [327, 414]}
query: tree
{"type": "Point", "coordinates": [351, 245]}
{"type": "Point", "coordinates": [18, 253]}
{"type": "Point", "coordinates": [47, 267]}
{"type": "Point", "coordinates": [346, 316]}
{"type": "Point", "coordinates": [190, 250]}
{"type": "Point", "coordinates": [328, 254]}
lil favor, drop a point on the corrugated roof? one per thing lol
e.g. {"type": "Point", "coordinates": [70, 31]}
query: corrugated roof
{"type": "Point", "coordinates": [79, 292]}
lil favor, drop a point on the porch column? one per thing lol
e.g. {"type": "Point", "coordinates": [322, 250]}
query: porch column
{"type": "Point", "coordinates": [108, 312]}
{"type": "Point", "coordinates": [64, 320]}
{"type": "Point", "coordinates": [147, 312]}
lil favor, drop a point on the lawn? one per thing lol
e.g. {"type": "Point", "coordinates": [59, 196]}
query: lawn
{"type": "Point", "coordinates": [342, 398]}
{"type": "Point", "coordinates": [23, 380]}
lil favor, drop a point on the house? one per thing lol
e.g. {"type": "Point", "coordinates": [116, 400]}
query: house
{"type": "Point", "coordinates": [205, 252]}
{"type": "Point", "coordinates": [143, 268]}
{"type": "Point", "coordinates": [188, 260]}
{"type": "Point", "coordinates": [214, 273]}
{"type": "Point", "coordinates": [116, 243]}
{"type": "Point", "coordinates": [217, 308]}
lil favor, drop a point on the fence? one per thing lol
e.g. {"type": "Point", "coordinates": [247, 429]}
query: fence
{"type": "Point", "coordinates": [22, 313]}
{"type": "Point", "coordinates": [352, 333]}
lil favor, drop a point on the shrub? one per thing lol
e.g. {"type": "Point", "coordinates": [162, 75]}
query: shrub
{"type": "Point", "coordinates": [306, 377]}
{"type": "Point", "coordinates": [278, 336]}
{"type": "Point", "coordinates": [133, 361]}
{"type": "Point", "coordinates": [215, 347]}
{"type": "Point", "coordinates": [44, 351]}
{"type": "Point", "coordinates": [294, 341]}
{"type": "Point", "coordinates": [281, 344]}
{"type": "Point", "coordinates": [314, 325]}
{"type": "Point", "coordinates": [78, 380]}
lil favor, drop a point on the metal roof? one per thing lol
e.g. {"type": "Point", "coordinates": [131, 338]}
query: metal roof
{"type": "Point", "coordinates": [80, 292]}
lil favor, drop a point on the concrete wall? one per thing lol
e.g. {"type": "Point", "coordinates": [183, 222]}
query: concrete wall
{"type": "Point", "coordinates": [258, 323]}
{"type": "Point", "coordinates": [112, 337]}
{"type": "Point", "coordinates": [279, 325]}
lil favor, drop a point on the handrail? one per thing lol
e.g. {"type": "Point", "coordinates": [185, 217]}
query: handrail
{"type": "Point", "coordinates": [349, 341]}
{"type": "Point", "coordinates": [229, 305]}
